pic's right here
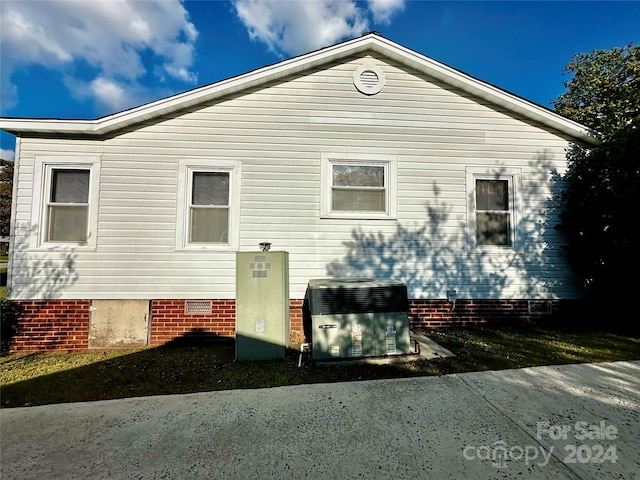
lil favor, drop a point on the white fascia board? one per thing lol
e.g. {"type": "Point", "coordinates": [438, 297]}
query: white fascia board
{"type": "Point", "coordinates": [484, 90]}
{"type": "Point", "coordinates": [282, 69]}
{"type": "Point", "coordinates": [36, 125]}
{"type": "Point", "coordinates": [182, 100]}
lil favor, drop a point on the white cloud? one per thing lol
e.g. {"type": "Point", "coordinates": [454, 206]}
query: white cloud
{"type": "Point", "coordinates": [7, 154]}
{"type": "Point", "coordinates": [114, 37]}
{"type": "Point", "coordinates": [181, 73]}
{"type": "Point", "coordinates": [109, 92]}
{"type": "Point", "coordinates": [383, 10]}
{"type": "Point", "coordinates": [292, 27]}
{"type": "Point", "coordinates": [111, 95]}
{"type": "Point", "coordinates": [8, 92]}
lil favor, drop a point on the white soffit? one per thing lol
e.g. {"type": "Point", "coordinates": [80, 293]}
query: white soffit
{"type": "Point", "coordinates": [366, 43]}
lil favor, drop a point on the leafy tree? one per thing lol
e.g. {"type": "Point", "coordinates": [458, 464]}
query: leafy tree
{"type": "Point", "coordinates": [602, 203]}
{"type": "Point", "coordinates": [602, 198]}
{"type": "Point", "coordinates": [9, 311]}
{"type": "Point", "coordinates": [6, 188]}
{"type": "Point", "coordinates": [604, 91]}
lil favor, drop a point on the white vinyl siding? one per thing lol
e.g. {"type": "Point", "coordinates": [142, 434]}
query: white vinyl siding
{"type": "Point", "coordinates": [281, 134]}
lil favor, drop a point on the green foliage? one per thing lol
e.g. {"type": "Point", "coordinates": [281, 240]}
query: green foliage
{"type": "Point", "coordinates": [604, 91]}
{"type": "Point", "coordinates": [9, 314]}
{"type": "Point", "coordinates": [602, 202]}
{"type": "Point", "coordinates": [6, 188]}
{"type": "Point", "coordinates": [602, 197]}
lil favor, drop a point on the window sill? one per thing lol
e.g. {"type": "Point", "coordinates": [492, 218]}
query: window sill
{"type": "Point", "coordinates": [483, 249]}
{"type": "Point", "coordinates": [357, 216]}
{"type": "Point", "coordinates": [50, 246]}
{"type": "Point", "coordinates": [206, 247]}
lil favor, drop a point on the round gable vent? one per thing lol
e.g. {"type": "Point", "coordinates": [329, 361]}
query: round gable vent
{"type": "Point", "coordinates": [369, 78]}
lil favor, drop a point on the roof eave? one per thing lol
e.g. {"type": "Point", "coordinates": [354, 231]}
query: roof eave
{"type": "Point", "coordinates": [486, 91]}
{"type": "Point", "coordinates": [181, 101]}
{"type": "Point", "coordinates": [369, 42]}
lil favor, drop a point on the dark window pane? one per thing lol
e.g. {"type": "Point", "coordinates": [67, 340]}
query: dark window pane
{"type": "Point", "coordinates": [492, 195]}
{"type": "Point", "coordinates": [493, 228]}
{"type": "Point", "coordinates": [210, 188]}
{"type": "Point", "coordinates": [68, 223]}
{"type": "Point", "coordinates": [358, 176]}
{"type": "Point", "coordinates": [359, 200]}
{"type": "Point", "coordinates": [209, 225]}
{"type": "Point", "coordinates": [70, 186]}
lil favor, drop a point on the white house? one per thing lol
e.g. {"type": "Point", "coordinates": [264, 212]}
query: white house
{"type": "Point", "coordinates": [360, 159]}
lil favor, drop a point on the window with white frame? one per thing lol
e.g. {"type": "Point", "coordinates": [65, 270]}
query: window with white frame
{"type": "Point", "coordinates": [493, 213]}
{"type": "Point", "coordinates": [492, 207]}
{"type": "Point", "coordinates": [68, 205]}
{"type": "Point", "coordinates": [358, 186]}
{"type": "Point", "coordinates": [208, 209]}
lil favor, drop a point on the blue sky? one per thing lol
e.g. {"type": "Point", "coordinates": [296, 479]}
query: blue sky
{"type": "Point", "coordinates": [89, 58]}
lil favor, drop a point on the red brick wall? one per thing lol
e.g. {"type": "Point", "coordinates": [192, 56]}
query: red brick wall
{"type": "Point", "coordinates": [295, 312]}
{"type": "Point", "coordinates": [438, 313]}
{"type": "Point", "coordinates": [63, 325]}
{"type": "Point", "coordinates": [170, 321]}
{"type": "Point", "coordinates": [48, 325]}
{"type": "Point", "coordinates": [429, 314]}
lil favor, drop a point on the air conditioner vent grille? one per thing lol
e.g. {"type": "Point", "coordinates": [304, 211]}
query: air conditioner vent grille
{"type": "Point", "coordinates": [341, 300]}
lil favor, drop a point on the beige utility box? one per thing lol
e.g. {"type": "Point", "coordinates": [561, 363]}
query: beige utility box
{"type": "Point", "coordinates": [262, 305]}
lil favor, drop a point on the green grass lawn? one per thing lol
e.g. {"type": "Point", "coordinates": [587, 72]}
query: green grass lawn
{"type": "Point", "coordinates": [36, 379]}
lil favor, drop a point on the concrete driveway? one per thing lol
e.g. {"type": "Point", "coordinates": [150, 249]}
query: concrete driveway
{"type": "Point", "coordinates": [576, 421]}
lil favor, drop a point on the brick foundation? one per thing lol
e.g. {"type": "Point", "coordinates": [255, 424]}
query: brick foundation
{"type": "Point", "coordinates": [63, 325]}
{"type": "Point", "coordinates": [52, 325]}
{"type": "Point", "coordinates": [295, 312]}
{"type": "Point", "coordinates": [430, 314]}
{"type": "Point", "coordinates": [171, 321]}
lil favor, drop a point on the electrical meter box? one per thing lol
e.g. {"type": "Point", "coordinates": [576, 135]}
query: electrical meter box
{"type": "Point", "coordinates": [262, 305]}
{"type": "Point", "coordinates": [358, 317]}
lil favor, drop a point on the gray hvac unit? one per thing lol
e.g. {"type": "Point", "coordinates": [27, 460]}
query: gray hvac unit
{"type": "Point", "coordinates": [358, 317]}
{"type": "Point", "coordinates": [262, 305]}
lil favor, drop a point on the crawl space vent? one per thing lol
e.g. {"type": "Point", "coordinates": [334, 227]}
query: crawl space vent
{"type": "Point", "coordinates": [197, 306]}
{"type": "Point", "coordinates": [539, 307]}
